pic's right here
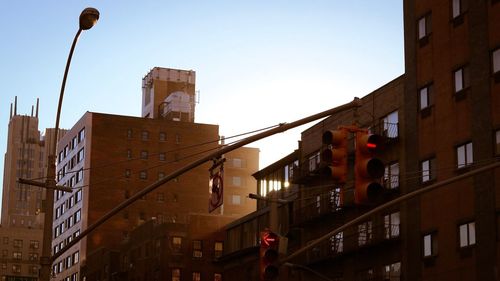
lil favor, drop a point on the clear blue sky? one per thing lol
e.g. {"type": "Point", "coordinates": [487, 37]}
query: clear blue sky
{"type": "Point", "coordinates": [258, 63]}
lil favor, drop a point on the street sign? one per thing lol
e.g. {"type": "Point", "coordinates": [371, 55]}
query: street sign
{"type": "Point", "coordinates": [216, 187]}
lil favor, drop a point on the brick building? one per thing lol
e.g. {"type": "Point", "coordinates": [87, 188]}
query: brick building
{"type": "Point", "coordinates": [108, 158]}
{"type": "Point", "coordinates": [441, 120]}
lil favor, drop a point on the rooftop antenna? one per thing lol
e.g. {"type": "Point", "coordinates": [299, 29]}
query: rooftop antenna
{"type": "Point", "coordinates": [10, 110]}
{"type": "Point", "coordinates": [15, 105]}
{"type": "Point", "coordinates": [37, 102]}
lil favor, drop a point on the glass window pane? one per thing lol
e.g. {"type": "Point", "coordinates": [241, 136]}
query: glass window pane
{"type": "Point", "coordinates": [427, 245]}
{"type": "Point", "coordinates": [461, 156]}
{"type": "Point", "coordinates": [424, 102]}
{"type": "Point", "coordinates": [456, 8]}
{"type": "Point", "coordinates": [496, 61]}
{"type": "Point", "coordinates": [421, 28]}
{"type": "Point", "coordinates": [426, 171]}
{"type": "Point", "coordinates": [469, 153]}
{"type": "Point", "coordinates": [472, 233]}
{"type": "Point", "coordinates": [463, 235]}
{"type": "Point", "coordinates": [459, 85]}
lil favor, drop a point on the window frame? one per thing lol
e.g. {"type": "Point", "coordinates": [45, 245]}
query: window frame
{"type": "Point", "coordinates": [429, 96]}
{"type": "Point", "coordinates": [391, 228]}
{"type": "Point", "coordinates": [430, 250]}
{"type": "Point", "coordinates": [464, 73]}
{"type": "Point", "coordinates": [468, 152]}
{"type": "Point", "coordinates": [430, 172]}
{"type": "Point", "coordinates": [497, 142]}
{"type": "Point", "coordinates": [197, 249]}
{"type": "Point", "coordinates": [495, 64]}
{"type": "Point", "coordinates": [470, 234]}
{"type": "Point", "coordinates": [424, 28]}
{"type": "Point", "coordinates": [390, 175]}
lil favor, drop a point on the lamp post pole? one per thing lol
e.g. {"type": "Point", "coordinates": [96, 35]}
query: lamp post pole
{"type": "Point", "coordinates": [88, 18]}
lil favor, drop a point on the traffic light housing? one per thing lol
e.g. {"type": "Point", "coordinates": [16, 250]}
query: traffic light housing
{"type": "Point", "coordinates": [334, 156]}
{"type": "Point", "coordinates": [368, 169]}
{"type": "Point", "coordinates": [269, 255]}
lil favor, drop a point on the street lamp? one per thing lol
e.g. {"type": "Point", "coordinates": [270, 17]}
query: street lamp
{"type": "Point", "coordinates": [88, 18]}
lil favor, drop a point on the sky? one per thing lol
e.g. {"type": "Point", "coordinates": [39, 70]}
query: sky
{"type": "Point", "coordinates": [258, 63]}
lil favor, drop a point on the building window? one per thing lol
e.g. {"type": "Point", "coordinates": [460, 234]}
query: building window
{"type": "Point", "coordinates": [457, 8]}
{"type": "Point", "coordinates": [163, 136]}
{"type": "Point", "coordinates": [81, 135]}
{"type": "Point", "coordinates": [461, 79]}
{"type": "Point", "coordinates": [464, 155]}
{"type": "Point", "coordinates": [145, 135]}
{"type": "Point", "coordinates": [424, 28]}
{"type": "Point", "coordinates": [314, 161]}
{"type": "Point", "coordinates": [236, 199]}
{"type": "Point", "coordinates": [196, 276]}
{"type": "Point", "coordinates": [495, 57]}
{"type": "Point", "coordinates": [17, 255]}
{"type": "Point", "coordinates": [177, 139]}
{"type": "Point", "coordinates": [34, 244]}
{"type": "Point", "coordinates": [237, 163]}
{"type": "Point", "coordinates": [391, 176]}
{"type": "Point", "coordinates": [33, 256]}
{"type": "Point", "coordinates": [127, 173]}
{"type": "Point", "coordinates": [129, 133]}
{"type": "Point", "coordinates": [391, 225]}
{"type": "Point", "coordinates": [391, 125]}
{"type": "Point", "coordinates": [197, 249]}
{"type": "Point", "coordinates": [161, 175]}
{"type": "Point", "coordinates": [143, 175]}
{"type": "Point", "coordinates": [18, 243]}
{"type": "Point", "coordinates": [160, 197]}
{"type": "Point", "coordinates": [176, 274]}
{"type": "Point", "coordinates": [218, 248]}
{"type": "Point", "coordinates": [163, 156]}
{"type": "Point", "coordinates": [364, 233]}
{"type": "Point", "coordinates": [428, 168]}
{"type": "Point", "coordinates": [16, 268]}
{"type": "Point", "coordinates": [237, 181]}
{"type": "Point", "coordinates": [467, 232]}
{"type": "Point", "coordinates": [176, 243]}
{"type": "Point", "coordinates": [77, 216]}
{"type": "Point", "coordinates": [217, 277]}
{"type": "Point", "coordinates": [337, 243]}
{"type": "Point", "coordinates": [392, 272]}
{"type": "Point", "coordinates": [497, 141]}
{"type": "Point", "coordinates": [80, 156]}
{"type": "Point", "coordinates": [426, 96]}
{"type": "Point", "coordinates": [430, 245]}
{"type": "Point", "coordinates": [144, 154]}
{"type": "Point", "coordinates": [129, 154]}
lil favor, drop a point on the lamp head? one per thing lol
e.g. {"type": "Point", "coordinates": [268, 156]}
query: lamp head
{"type": "Point", "coordinates": [88, 18]}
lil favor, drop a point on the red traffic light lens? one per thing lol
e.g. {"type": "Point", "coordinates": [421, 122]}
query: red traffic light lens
{"type": "Point", "coordinates": [371, 145]}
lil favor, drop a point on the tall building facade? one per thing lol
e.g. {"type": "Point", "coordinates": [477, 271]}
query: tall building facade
{"type": "Point", "coordinates": [22, 212]}
{"type": "Point", "coordinates": [441, 121]}
{"type": "Point", "coordinates": [108, 158]}
{"type": "Point", "coordinates": [25, 158]}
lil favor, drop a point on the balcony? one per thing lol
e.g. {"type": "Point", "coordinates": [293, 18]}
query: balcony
{"type": "Point", "coordinates": [354, 241]}
{"type": "Point", "coordinates": [317, 206]}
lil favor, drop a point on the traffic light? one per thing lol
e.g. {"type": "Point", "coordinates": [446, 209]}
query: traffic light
{"type": "Point", "coordinates": [368, 169]}
{"type": "Point", "coordinates": [334, 156]}
{"type": "Point", "coordinates": [269, 255]}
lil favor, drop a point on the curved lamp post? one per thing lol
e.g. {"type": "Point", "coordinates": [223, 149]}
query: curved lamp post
{"type": "Point", "coordinates": [88, 18]}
